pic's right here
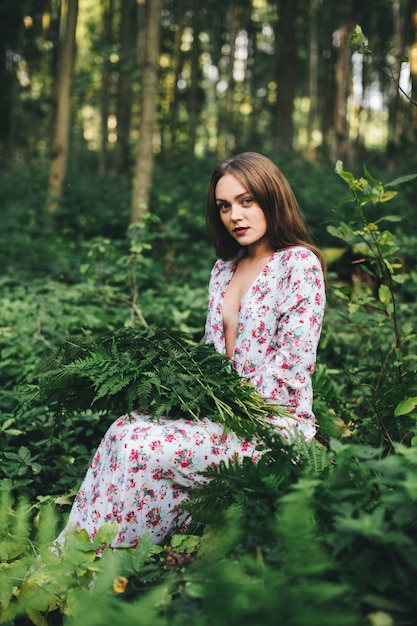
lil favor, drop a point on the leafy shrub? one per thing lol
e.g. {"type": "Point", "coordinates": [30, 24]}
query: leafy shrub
{"type": "Point", "coordinates": [373, 335]}
{"type": "Point", "coordinates": [315, 535]}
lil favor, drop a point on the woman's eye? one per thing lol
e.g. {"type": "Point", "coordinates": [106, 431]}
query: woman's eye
{"type": "Point", "coordinates": [223, 206]}
{"type": "Point", "coordinates": [247, 201]}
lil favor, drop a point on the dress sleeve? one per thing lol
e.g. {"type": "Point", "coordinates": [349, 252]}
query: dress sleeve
{"type": "Point", "coordinates": [208, 331]}
{"type": "Point", "coordinates": [291, 357]}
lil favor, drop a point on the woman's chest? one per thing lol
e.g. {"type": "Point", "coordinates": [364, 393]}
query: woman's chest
{"type": "Point", "coordinates": [238, 287]}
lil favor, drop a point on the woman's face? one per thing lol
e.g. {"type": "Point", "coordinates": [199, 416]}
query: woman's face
{"type": "Point", "coordinates": [242, 217]}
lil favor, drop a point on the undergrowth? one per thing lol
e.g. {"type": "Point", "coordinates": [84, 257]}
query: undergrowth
{"type": "Point", "coordinates": [318, 535]}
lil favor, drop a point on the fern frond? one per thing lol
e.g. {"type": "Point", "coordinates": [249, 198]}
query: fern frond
{"type": "Point", "coordinates": [155, 372]}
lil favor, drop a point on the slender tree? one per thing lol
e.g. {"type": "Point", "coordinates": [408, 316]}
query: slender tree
{"type": "Point", "coordinates": [150, 73]}
{"type": "Point", "coordinates": [226, 136]}
{"type": "Point", "coordinates": [286, 72]}
{"type": "Point", "coordinates": [326, 96]}
{"type": "Point", "coordinates": [339, 147]}
{"type": "Point", "coordinates": [313, 76]}
{"type": "Point", "coordinates": [60, 142]}
{"type": "Point", "coordinates": [107, 41]}
{"type": "Point", "coordinates": [124, 86]}
{"type": "Point", "coordinates": [193, 102]}
{"type": "Point", "coordinates": [413, 68]}
{"type": "Point", "coordinates": [11, 22]}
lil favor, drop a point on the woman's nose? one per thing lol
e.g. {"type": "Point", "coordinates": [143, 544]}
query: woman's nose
{"type": "Point", "coordinates": [236, 212]}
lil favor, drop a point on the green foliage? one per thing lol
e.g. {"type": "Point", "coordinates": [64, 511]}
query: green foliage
{"type": "Point", "coordinates": [153, 371]}
{"type": "Point", "coordinates": [380, 362]}
{"type": "Point", "coordinates": [313, 535]}
{"type": "Point", "coordinates": [288, 544]}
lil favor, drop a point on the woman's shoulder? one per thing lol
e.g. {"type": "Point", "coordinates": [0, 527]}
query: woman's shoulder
{"type": "Point", "coordinates": [221, 266]}
{"type": "Point", "coordinates": [296, 255]}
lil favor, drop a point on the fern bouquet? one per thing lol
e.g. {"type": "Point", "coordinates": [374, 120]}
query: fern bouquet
{"type": "Point", "coordinates": [154, 372]}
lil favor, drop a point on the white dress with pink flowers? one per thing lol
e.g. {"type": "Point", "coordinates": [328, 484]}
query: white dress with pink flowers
{"type": "Point", "coordinates": [144, 468]}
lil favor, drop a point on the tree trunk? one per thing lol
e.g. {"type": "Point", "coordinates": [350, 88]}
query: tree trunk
{"type": "Point", "coordinates": [226, 138]}
{"type": "Point", "coordinates": [170, 101]}
{"type": "Point", "coordinates": [193, 104]}
{"type": "Point", "coordinates": [313, 78]}
{"type": "Point", "coordinates": [105, 85]}
{"type": "Point", "coordinates": [150, 72]}
{"type": "Point", "coordinates": [11, 21]}
{"type": "Point", "coordinates": [142, 8]}
{"type": "Point", "coordinates": [327, 93]}
{"type": "Point", "coordinates": [396, 117]}
{"type": "Point", "coordinates": [343, 75]}
{"type": "Point", "coordinates": [413, 69]}
{"type": "Point", "coordinates": [286, 73]}
{"type": "Point", "coordinates": [60, 142]}
{"type": "Point", "coordinates": [124, 90]}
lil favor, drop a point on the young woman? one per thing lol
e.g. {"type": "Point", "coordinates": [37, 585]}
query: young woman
{"type": "Point", "coordinates": [266, 304]}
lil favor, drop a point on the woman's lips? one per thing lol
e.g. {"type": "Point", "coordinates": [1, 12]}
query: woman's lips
{"type": "Point", "coordinates": [240, 230]}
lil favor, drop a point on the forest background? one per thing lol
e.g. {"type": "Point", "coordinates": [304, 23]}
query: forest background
{"type": "Point", "coordinates": [112, 117]}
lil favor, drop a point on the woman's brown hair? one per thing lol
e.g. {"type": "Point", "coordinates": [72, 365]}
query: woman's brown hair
{"type": "Point", "coordinates": [271, 190]}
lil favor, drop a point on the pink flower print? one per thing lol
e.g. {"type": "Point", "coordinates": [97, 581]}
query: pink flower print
{"type": "Point", "coordinates": [157, 474]}
{"type": "Point", "coordinates": [248, 367]}
{"type": "Point", "coordinates": [111, 491]}
{"type": "Point", "coordinates": [183, 458]}
{"type": "Point", "coordinates": [290, 362]}
{"type": "Point", "coordinates": [113, 464]}
{"type": "Point", "coordinates": [176, 494]}
{"type": "Point", "coordinates": [96, 516]}
{"type": "Point", "coordinates": [110, 443]}
{"type": "Point", "coordinates": [139, 460]}
{"type": "Point", "coordinates": [259, 382]}
{"type": "Point", "coordinates": [291, 339]}
{"type": "Point", "coordinates": [163, 491]}
{"type": "Point", "coordinates": [261, 290]}
{"type": "Point", "coordinates": [169, 437]}
{"type": "Point", "coordinates": [115, 514]}
{"type": "Point", "coordinates": [80, 500]}
{"type": "Point", "coordinates": [154, 517]}
{"type": "Point", "coordinates": [131, 517]}
{"type": "Point", "coordinates": [156, 445]}
{"type": "Point", "coordinates": [217, 328]}
{"type": "Point", "coordinates": [275, 394]}
{"type": "Point", "coordinates": [143, 496]}
{"type": "Point", "coordinates": [168, 474]}
{"type": "Point", "coordinates": [256, 333]}
{"type": "Point", "coordinates": [260, 333]}
{"type": "Point", "coordinates": [95, 463]}
{"type": "Point", "coordinates": [263, 310]}
{"type": "Point", "coordinates": [139, 501]}
{"type": "Point", "coordinates": [219, 444]}
{"type": "Point", "coordinates": [245, 345]}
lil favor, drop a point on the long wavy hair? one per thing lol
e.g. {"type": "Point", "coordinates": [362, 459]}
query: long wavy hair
{"type": "Point", "coordinates": [271, 190]}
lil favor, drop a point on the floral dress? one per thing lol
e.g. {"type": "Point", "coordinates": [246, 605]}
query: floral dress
{"type": "Point", "coordinates": [143, 468]}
